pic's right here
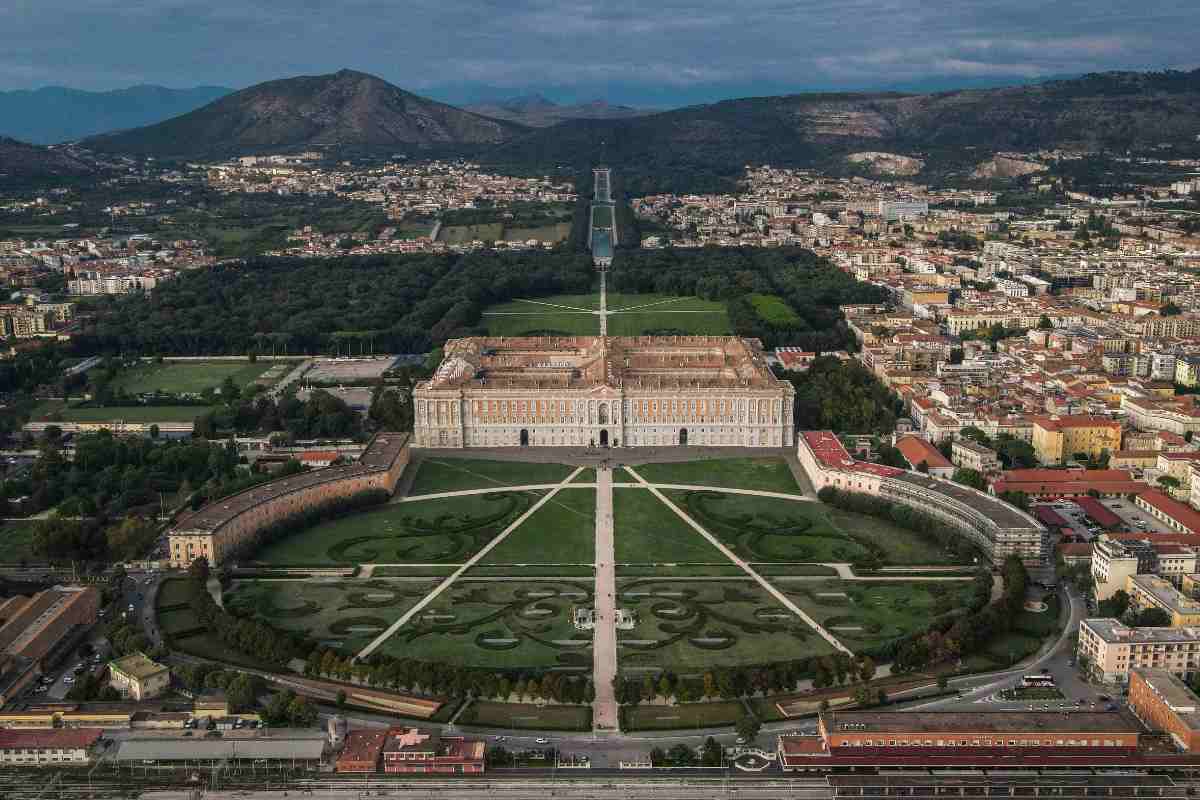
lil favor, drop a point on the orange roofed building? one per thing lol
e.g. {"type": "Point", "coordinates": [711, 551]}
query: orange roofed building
{"type": "Point", "coordinates": [420, 751]}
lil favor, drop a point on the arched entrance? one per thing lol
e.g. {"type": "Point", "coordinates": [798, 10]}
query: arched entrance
{"type": "Point", "coordinates": [604, 438]}
{"type": "Point", "coordinates": [524, 437]}
{"type": "Point", "coordinates": [683, 437]}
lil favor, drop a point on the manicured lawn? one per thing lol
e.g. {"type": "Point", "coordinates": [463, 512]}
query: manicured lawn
{"type": "Point", "coordinates": [522, 715]}
{"type": "Point", "coordinates": [587, 475]}
{"type": "Point", "coordinates": [345, 614]}
{"type": "Point", "coordinates": [647, 532]}
{"type": "Point", "coordinates": [685, 715]}
{"type": "Point", "coordinates": [180, 377]}
{"type": "Point", "coordinates": [16, 541]}
{"type": "Point", "coordinates": [772, 308]}
{"type": "Point", "coordinates": [868, 614]}
{"type": "Point", "coordinates": [550, 322]}
{"type": "Point", "coordinates": [129, 414]}
{"type": "Point", "coordinates": [500, 625]}
{"type": "Point", "coordinates": [436, 475]}
{"type": "Point", "coordinates": [768, 528]}
{"type": "Point", "coordinates": [446, 530]}
{"type": "Point", "coordinates": [1011, 647]}
{"type": "Point", "coordinates": [560, 532]}
{"type": "Point", "coordinates": [712, 321]}
{"type": "Point", "coordinates": [900, 546]}
{"type": "Point", "coordinates": [764, 474]}
{"type": "Point", "coordinates": [572, 301]}
{"type": "Point", "coordinates": [694, 625]}
{"type": "Point", "coordinates": [458, 234]}
{"type": "Point", "coordinates": [554, 232]}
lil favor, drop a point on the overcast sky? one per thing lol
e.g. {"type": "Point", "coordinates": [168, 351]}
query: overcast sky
{"type": "Point", "coordinates": [678, 49]}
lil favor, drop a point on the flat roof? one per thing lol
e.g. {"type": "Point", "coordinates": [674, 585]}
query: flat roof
{"type": "Point", "coordinates": [967, 722]}
{"type": "Point", "coordinates": [278, 746]}
{"type": "Point", "coordinates": [137, 665]}
{"type": "Point", "coordinates": [1114, 631]}
{"type": "Point", "coordinates": [1163, 591]}
{"type": "Point", "coordinates": [993, 508]}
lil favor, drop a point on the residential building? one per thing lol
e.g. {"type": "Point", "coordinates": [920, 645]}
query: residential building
{"type": "Point", "coordinates": [1109, 649]}
{"type": "Point", "coordinates": [1057, 440]}
{"type": "Point", "coordinates": [918, 451]}
{"type": "Point", "coordinates": [137, 677]}
{"type": "Point", "coordinates": [1151, 591]}
{"type": "Point", "coordinates": [1039, 483]}
{"type": "Point", "coordinates": [47, 748]}
{"type": "Point", "coordinates": [969, 454]}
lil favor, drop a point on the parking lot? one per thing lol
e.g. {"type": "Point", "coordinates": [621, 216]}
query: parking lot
{"type": "Point", "coordinates": [1084, 529]}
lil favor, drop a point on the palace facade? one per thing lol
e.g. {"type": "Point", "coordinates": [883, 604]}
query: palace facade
{"type": "Point", "coordinates": [604, 391]}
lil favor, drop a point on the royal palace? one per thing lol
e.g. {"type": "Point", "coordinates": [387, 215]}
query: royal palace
{"type": "Point", "coordinates": [604, 391]}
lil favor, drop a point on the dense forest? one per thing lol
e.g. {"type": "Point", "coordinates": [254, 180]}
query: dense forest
{"type": "Point", "coordinates": [411, 304]}
{"type": "Point", "coordinates": [844, 397]}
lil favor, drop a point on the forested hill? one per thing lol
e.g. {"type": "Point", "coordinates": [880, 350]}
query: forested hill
{"type": "Point", "coordinates": [703, 147]}
{"type": "Point", "coordinates": [410, 304]}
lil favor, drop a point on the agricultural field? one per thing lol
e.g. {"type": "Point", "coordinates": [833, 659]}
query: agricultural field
{"type": "Point", "coordinates": [187, 377]}
{"type": "Point", "coordinates": [686, 626]}
{"type": "Point", "coordinates": [448, 530]}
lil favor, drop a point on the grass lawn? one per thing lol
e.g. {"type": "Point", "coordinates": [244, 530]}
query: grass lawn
{"type": "Point", "coordinates": [436, 475]}
{"type": "Point", "coordinates": [647, 532]}
{"type": "Point", "coordinates": [345, 614]}
{"type": "Point", "coordinates": [768, 528]}
{"type": "Point", "coordinates": [900, 546]}
{"type": "Point", "coordinates": [552, 232]}
{"type": "Point", "coordinates": [689, 316]}
{"type": "Point", "coordinates": [458, 234]}
{"type": "Point", "coordinates": [174, 591]}
{"type": "Point", "coordinates": [447, 530]}
{"type": "Point", "coordinates": [550, 322]}
{"type": "Point", "coordinates": [126, 414]}
{"type": "Point", "coordinates": [764, 474]}
{"type": "Point", "coordinates": [685, 715]}
{"type": "Point", "coordinates": [522, 715]}
{"type": "Point", "coordinates": [868, 614]}
{"type": "Point", "coordinates": [587, 475]}
{"type": "Point", "coordinates": [500, 625]}
{"type": "Point", "coordinates": [1011, 648]}
{"type": "Point", "coordinates": [560, 532]}
{"type": "Point", "coordinates": [181, 377]}
{"type": "Point", "coordinates": [588, 302]}
{"type": "Point", "coordinates": [772, 308]}
{"type": "Point", "coordinates": [16, 539]}
{"type": "Point", "coordinates": [690, 626]}
{"type": "Point", "coordinates": [602, 216]}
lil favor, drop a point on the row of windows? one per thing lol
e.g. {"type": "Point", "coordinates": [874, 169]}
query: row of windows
{"type": "Point", "coordinates": [981, 743]}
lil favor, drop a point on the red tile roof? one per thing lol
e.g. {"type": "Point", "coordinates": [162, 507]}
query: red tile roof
{"type": "Point", "coordinates": [1075, 421]}
{"type": "Point", "coordinates": [915, 450]}
{"type": "Point", "coordinates": [40, 740]}
{"type": "Point", "coordinates": [1182, 513]}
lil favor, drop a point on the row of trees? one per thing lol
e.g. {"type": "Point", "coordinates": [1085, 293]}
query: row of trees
{"type": "Point", "coordinates": [249, 636]}
{"type": "Point", "coordinates": [321, 416]}
{"type": "Point", "coordinates": [842, 396]}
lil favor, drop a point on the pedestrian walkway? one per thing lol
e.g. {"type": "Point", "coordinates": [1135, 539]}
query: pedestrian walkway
{"type": "Point", "coordinates": [603, 305]}
{"type": "Point", "coordinates": [475, 559]}
{"type": "Point", "coordinates": [783, 599]}
{"type": "Point", "coordinates": [605, 713]}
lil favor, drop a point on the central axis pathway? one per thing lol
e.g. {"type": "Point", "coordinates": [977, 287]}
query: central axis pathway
{"type": "Point", "coordinates": [475, 559]}
{"type": "Point", "coordinates": [604, 632]}
{"type": "Point", "coordinates": [603, 305]}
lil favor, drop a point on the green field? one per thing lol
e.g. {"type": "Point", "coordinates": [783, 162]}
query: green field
{"type": "Point", "coordinates": [683, 715]}
{"type": "Point", "coordinates": [602, 216]}
{"type": "Point", "coordinates": [865, 615]}
{"type": "Point", "coordinates": [446, 530]}
{"type": "Point", "coordinates": [528, 716]}
{"type": "Point", "coordinates": [344, 614]}
{"type": "Point", "coordinates": [60, 413]}
{"type": "Point", "coordinates": [463, 234]}
{"type": "Point", "coordinates": [553, 232]}
{"type": "Point", "coordinates": [500, 625]}
{"type": "Point", "coordinates": [436, 475]}
{"type": "Point", "coordinates": [773, 310]}
{"type": "Point", "coordinates": [686, 626]}
{"type": "Point", "coordinates": [647, 532]}
{"type": "Point", "coordinates": [633, 315]}
{"type": "Point", "coordinates": [560, 532]}
{"type": "Point", "coordinates": [16, 539]}
{"type": "Point", "coordinates": [187, 377]}
{"type": "Point", "coordinates": [764, 474]}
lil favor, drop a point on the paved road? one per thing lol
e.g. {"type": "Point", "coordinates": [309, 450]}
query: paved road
{"type": "Point", "coordinates": [475, 559]}
{"type": "Point", "coordinates": [783, 599]}
{"type": "Point", "coordinates": [605, 714]}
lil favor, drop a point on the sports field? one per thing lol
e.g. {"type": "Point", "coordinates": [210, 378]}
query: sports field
{"type": "Point", "coordinates": [126, 414]}
{"type": "Point", "coordinates": [187, 377]}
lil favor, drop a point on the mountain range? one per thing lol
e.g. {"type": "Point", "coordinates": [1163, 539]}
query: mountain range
{"type": "Point", "coordinates": [58, 114]}
{"type": "Point", "coordinates": [955, 129]}
{"type": "Point", "coordinates": [535, 111]}
{"type": "Point", "coordinates": [345, 109]}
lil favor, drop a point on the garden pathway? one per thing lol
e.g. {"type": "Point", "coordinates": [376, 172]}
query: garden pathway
{"type": "Point", "coordinates": [475, 559]}
{"type": "Point", "coordinates": [605, 713]}
{"type": "Point", "coordinates": [783, 599]}
{"type": "Point", "coordinates": [687, 487]}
